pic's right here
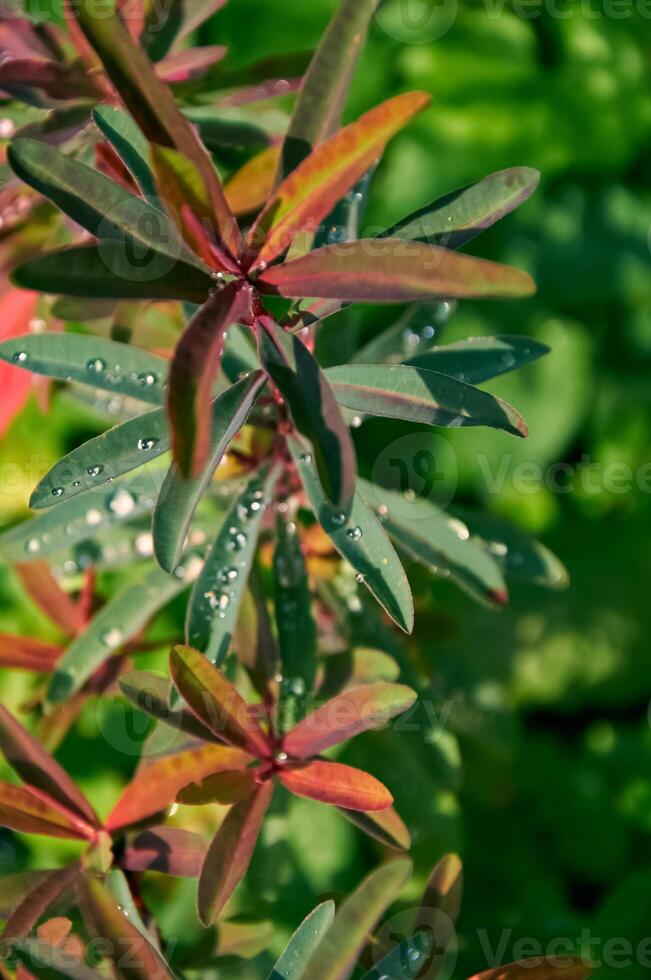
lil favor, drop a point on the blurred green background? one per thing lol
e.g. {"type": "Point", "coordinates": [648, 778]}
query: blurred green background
{"type": "Point", "coordinates": [536, 763]}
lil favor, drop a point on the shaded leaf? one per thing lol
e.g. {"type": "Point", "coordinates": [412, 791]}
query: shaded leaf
{"type": "Point", "coordinates": [481, 358]}
{"type": "Point", "coordinates": [43, 588]}
{"type": "Point", "coordinates": [32, 812]}
{"type": "Point", "coordinates": [152, 695]}
{"type": "Point", "coordinates": [16, 887]}
{"type": "Point", "coordinates": [230, 852]}
{"type": "Point", "coordinates": [385, 826]}
{"type": "Point", "coordinates": [294, 959]}
{"type": "Point", "coordinates": [445, 887]}
{"type": "Point", "coordinates": [23, 919]}
{"type": "Point", "coordinates": [222, 787]}
{"type": "Point", "coordinates": [337, 784]}
{"type": "Point", "coordinates": [415, 955]}
{"type": "Point", "coordinates": [131, 145]}
{"type": "Point", "coordinates": [169, 850]}
{"type": "Point", "coordinates": [58, 81]}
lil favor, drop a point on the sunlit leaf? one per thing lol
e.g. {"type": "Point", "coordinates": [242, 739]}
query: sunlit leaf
{"type": "Point", "coordinates": [169, 850]}
{"type": "Point", "coordinates": [33, 812]}
{"type": "Point", "coordinates": [481, 358]}
{"type": "Point", "coordinates": [28, 653]}
{"type": "Point", "coordinates": [248, 188]}
{"type": "Point", "coordinates": [222, 787]}
{"type": "Point", "coordinates": [294, 959]}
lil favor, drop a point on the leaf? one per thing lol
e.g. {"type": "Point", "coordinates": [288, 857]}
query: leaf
{"type": "Point", "coordinates": [217, 595]}
{"type": "Point", "coordinates": [337, 784]}
{"type": "Point", "coordinates": [479, 359]}
{"type": "Point", "coordinates": [460, 216]}
{"type": "Point", "coordinates": [131, 145]}
{"type": "Point", "coordinates": [33, 812]}
{"type": "Point", "coordinates": [216, 702]}
{"type": "Point", "coordinates": [56, 80]}
{"type": "Point", "coordinates": [385, 826]}
{"type": "Point", "coordinates": [156, 784]}
{"type": "Point", "coordinates": [248, 188]}
{"type": "Point", "coordinates": [111, 270]}
{"type": "Point", "coordinates": [310, 192]}
{"type": "Point", "coordinates": [190, 63]}
{"type": "Point", "coordinates": [104, 364]}
{"type": "Point", "coordinates": [418, 395]}
{"type": "Point", "coordinates": [152, 104]}
{"type": "Point", "coordinates": [23, 919]}
{"type": "Point", "coordinates": [35, 766]}
{"type": "Point", "coordinates": [437, 540]}
{"type": "Point", "coordinates": [178, 498]}
{"type": "Point", "coordinates": [28, 653]}
{"type": "Point", "coordinates": [135, 957]}
{"type": "Point", "coordinates": [43, 588]}
{"type": "Point", "coordinates": [314, 410]}
{"type": "Point", "coordinates": [362, 541]}
{"type": "Point", "coordinates": [47, 962]}
{"type": "Point", "coordinates": [16, 887]}
{"type": "Point", "coordinates": [294, 959]}
{"type": "Point", "coordinates": [539, 968]}
{"type": "Point", "coordinates": [152, 695]}
{"type": "Point", "coordinates": [168, 850]}
{"type": "Point", "coordinates": [445, 887]}
{"type": "Point", "coordinates": [318, 108]}
{"type": "Point", "coordinates": [193, 370]}
{"type": "Point", "coordinates": [230, 852]}
{"type": "Point", "coordinates": [347, 715]}
{"type": "Point", "coordinates": [392, 271]}
{"type": "Point", "coordinates": [117, 451]}
{"type": "Point", "coordinates": [222, 787]}
{"type": "Point", "coordinates": [95, 202]}
{"type": "Point", "coordinates": [356, 919]}
{"type": "Point", "coordinates": [295, 626]}
{"type": "Point", "coordinates": [123, 616]}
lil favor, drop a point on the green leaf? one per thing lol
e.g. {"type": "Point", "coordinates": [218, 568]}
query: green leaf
{"type": "Point", "coordinates": [336, 955]}
{"type": "Point", "coordinates": [105, 364]}
{"type": "Point", "coordinates": [481, 358]}
{"type": "Point", "coordinates": [437, 540]}
{"type": "Point", "coordinates": [131, 145]}
{"type": "Point", "coordinates": [295, 625]}
{"type": "Point", "coordinates": [118, 887]}
{"type": "Point", "coordinates": [117, 451]}
{"type": "Point", "coordinates": [417, 395]}
{"type": "Point", "coordinates": [412, 955]}
{"type": "Point", "coordinates": [123, 616]}
{"type": "Point", "coordinates": [417, 326]}
{"type": "Point", "coordinates": [112, 270]}
{"type": "Point", "coordinates": [362, 541]}
{"type": "Point", "coordinates": [98, 204]}
{"type": "Point", "coordinates": [460, 216]}
{"type": "Point", "coordinates": [314, 410]}
{"type": "Point", "coordinates": [217, 594]}
{"type": "Point", "coordinates": [317, 113]}
{"type": "Point", "coordinates": [178, 498]}
{"type": "Point", "coordinates": [294, 960]}
{"type": "Point", "coordinates": [80, 518]}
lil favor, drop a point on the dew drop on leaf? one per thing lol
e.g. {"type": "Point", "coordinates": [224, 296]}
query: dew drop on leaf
{"type": "Point", "coordinates": [112, 637]}
{"type": "Point", "coordinates": [20, 357]}
{"type": "Point", "coordinates": [354, 533]}
{"type": "Point", "coordinates": [95, 470]}
{"type": "Point", "coordinates": [96, 366]}
{"type": "Point", "coordinates": [147, 443]}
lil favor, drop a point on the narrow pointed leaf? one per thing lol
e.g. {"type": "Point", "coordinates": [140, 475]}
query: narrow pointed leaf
{"type": "Point", "coordinates": [436, 539]}
{"type": "Point", "coordinates": [152, 695]}
{"type": "Point", "coordinates": [32, 812]}
{"type": "Point", "coordinates": [168, 850]}
{"type": "Point", "coordinates": [314, 409]}
{"type": "Point", "coordinates": [230, 852]}
{"type": "Point", "coordinates": [363, 542]}
{"type": "Point", "coordinates": [194, 367]}
{"type": "Point", "coordinates": [481, 358]}
{"type": "Point", "coordinates": [385, 826]}
{"type": "Point", "coordinates": [58, 81]}
{"type": "Point", "coordinates": [111, 270]}
{"type": "Point", "coordinates": [28, 653]}
{"type": "Point", "coordinates": [23, 919]}
{"type": "Point", "coordinates": [294, 959]}
{"type": "Point", "coordinates": [131, 145]}
{"type": "Point", "coordinates": [152, 104]}
{"type": "Point", "coordinates": [155, 785]}
{"type": "Point", "coordinates": [117, 451]}
{"type": "Point", "coordinates": [95, 202]}
{"type": "Point", "coordinates": [357, 710]}
{"type": "Point", "coordinates": [190, 63]}
{"type": "Point", "coordinates": [35, 766]}
{"type": "Point", "coordinates": [16, 887]}
{"type": "Point", "coordinates": [217, 595]}
{"type": "Point", "coordinates": [337, 784]}
{"type": "Point", "coordinates": [216, 702]}
{"type": "Point", "coordinates": [249, 188]}
{"type": "Point", "coordinates": [336, 956]}
{"type": "Point", "coordinates": [104, 364]}
{"type": "Point", "coordinates": [311, 191]}
{"type": "Point", "coordinates": [419, 952]}
{"type": "Point", "coordinates": [123, 616]}
{"type": "Point", "coordinates": [222, 787]}
{"type": "Point", "coordinates": [460, 216]}
{"type": "Point", "coordinates": [46, 962]}
{"type": "Point", "coordinates": [43, 588]}
{"type": "Point", "coordinates": [131, 952]}
{"type": "Point", "coordinates": [445, 888]}
{"type": "Point", "coordinates": [318, 109]}
{"type": "Point", "coordinates": [418, 395]}
{"type": "Point", "coordinates": [392, 271]}
{"type": "Point", "coordinates": [539, 968]}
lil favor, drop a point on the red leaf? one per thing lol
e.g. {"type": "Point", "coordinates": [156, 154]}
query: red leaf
{"type": "Point", "coordinates": [230, 852]}
{"type": "Point", "coordinates": [155, 785]}
{"type": "Point", "coordinates": [27, 653]}
{"type": "Point", "coordinates": [41, 585]}
{"type": "Point", "coordinates": [354, 711]}
{"type": "Point", "coordinates": [387, 270]}
{"type": "Point", "coordinates": [194, 366]}
{"type": "Point", "coordinates": [32, 812]}
{"type": "Point", "coordinates": [56, 80]}
{"type": "Point", "coordinates": [37, 768]}
{"type": "Point", "coordinates": [166, 849]}
{"type": "Point", "coordinates": [221, 787]}
{"type": "Point", "coordinates": [189, 64]}
{"type": "Point", "coordinates": [321, 180]}
{"type": "Point", "coordinates": [17, 308]}
{"type": "Point", "coordinates": [23, 919]}
{"type": "Point", "coordinates": [554, 968]}
{"type": "Point", "coordinates": [216, 702]}
{"type": "Point", "coordinates": [332, 782]}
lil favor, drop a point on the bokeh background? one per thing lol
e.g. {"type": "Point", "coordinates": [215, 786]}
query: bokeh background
{"type": "Point", "coordinates": [536, 763]}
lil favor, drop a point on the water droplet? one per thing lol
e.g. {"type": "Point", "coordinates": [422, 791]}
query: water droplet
{"type": "Point", "coordinates": [112, 637]}
{"type": "Point", "coordinates": [338, 518]}
{"type": "Point", "coordinates": [148, 379]}
{"type": "Point", "coordinates": [359, 578]}
{"type": "Point", "coordinates": [20, 357]}
{"type": "Point", "coordinates": [356, 421]}
{"type": "Point", "coordinates": [306, 458]}
{"type": "Point", "coordinates": [226, 575]}
{"type": "Point", "coordinates": [281, 757]}
{"type": "Point", "coordinates": [383, 512]}
{"type": "Point", "coordinates": [96, 366]}
{"type": "Point", "coordinates": [297, 686]}
{"type": "Point", "coordinates": [507, 359]}
{"type": "Point", "coordinates": [498, 548]}
{"type": "Point", "coordinates": [354, 533]}
{"type": "Point", "coordinates": [95, 470]}
{"type": "Point", "coordinates": [147, 443]}
{"type": "Point", "coordinates": [237, 539]}
{"type": "Point", "coordinates": [121, 503]}
{"type": "Point", "coordinates": [459, 528]}
{"type": "Point", "coordinates": [57, 491]}
{"type": "Point", "coordinates": [32, 546]}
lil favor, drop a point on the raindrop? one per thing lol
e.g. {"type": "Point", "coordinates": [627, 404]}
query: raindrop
{"type": "Point", "coordinates": [338, 518]}
{"type": "Point", "coordinates": [37, 325]}
{"type": "Point", "coordinates": [95, 470]}
{"type": "Point", "coordinates": [112, 637]}
{"type": "Point", "coordinates": [297, 686]}
{"type": "Point", "coordinates": [20, 357]}
{"type": "Point", "coordinates": [306, 458]}
{"type": "Point", "coordinates": [147, 443]}
{"type": "Point", "coordinates": [354, 533]}
{"type": "Point", "coordinates": [32, 546]}
{"type": "Point", "coordinates": [226, 575]}
{"type": "Point", "coordinates": [459, 528]}
{"type": "Point", "coordinates": [96, 366]}
{"type": "Point", "coordinates": [57, 491]}
{"type": "Point", "coordinates": [383, 511]}
{"type": "Point", "coordinates": [281, 757]}
{"type": "Point", "coordinates": [359, 578]}
{"type": "Point", "coordinates": [507, 359]}
{"type": "Point", "coordinates": [356, 421]}
{"type": "Point", "coordinates": [148, 379]}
